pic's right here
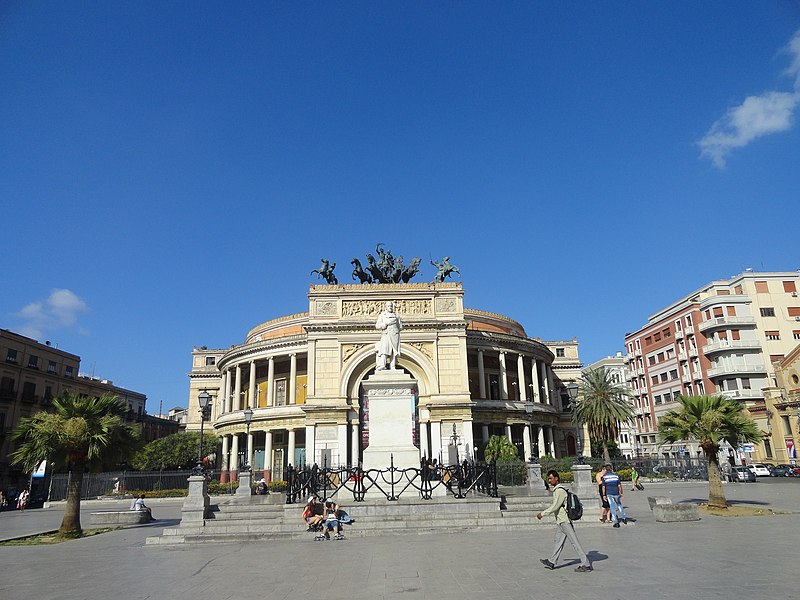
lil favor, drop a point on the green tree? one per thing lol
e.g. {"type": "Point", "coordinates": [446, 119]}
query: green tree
{"type": "Point", "coordinates": [76, 433]}
{"type": "Point", "coordinates": [176, 451]}
{"type": "Point", "coordinates": [602, 405]}
{"type": "Point", "coordinates": [500, 448]}
{"type": "Point", "coordinates": [709, 420]}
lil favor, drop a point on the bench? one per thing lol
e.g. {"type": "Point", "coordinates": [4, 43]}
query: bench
{"type": "Point", "coordinates": [120, 517]}
{"type": "Point", "coordinates": [667, 512]}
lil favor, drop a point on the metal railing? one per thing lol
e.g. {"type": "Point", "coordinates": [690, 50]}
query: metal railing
{"type": "Point", "coordinates": [392, 482]}
{"type": "Point", "coordinates": [115, 483]}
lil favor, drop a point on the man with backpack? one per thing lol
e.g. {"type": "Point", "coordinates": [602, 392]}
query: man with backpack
{"type": "Point", "coordinates": [564, 530]}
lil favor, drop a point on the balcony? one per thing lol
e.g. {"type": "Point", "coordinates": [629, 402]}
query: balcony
{"type": "Point", "coordinates": [742, 394]}
{"type": "Point", "coordinates": [719, 322]}
{"type": "Point", "coordinates": [682, 355]}
{"type": "Point", "coordinates": [737, 369]}
{"type": "Point", "coordinates": [724, 345]}
{"type": "Point", "coordinates": [679, 334]}
{"type": "Point", "coordinates": [686, 378]}
{"type": "Point", "coordinates": [693, 352]}
{"type": "Point", "coordinates": [637, 352]}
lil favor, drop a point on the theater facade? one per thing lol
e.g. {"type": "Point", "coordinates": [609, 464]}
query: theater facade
{"type": "Point", "coordinates": [475, 374]}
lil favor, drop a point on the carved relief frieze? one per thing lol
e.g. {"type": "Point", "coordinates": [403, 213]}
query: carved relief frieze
{"type": "Point", "coordinates": [326, 308]}
{"type": "Point", "coordinates": [446, 305]}
{"type": "Point", "coordinates": [372, 308]}
{"type": "Point", "coordinates": [349, 349]}
{"type": "Point", "coordinates": [424, 348]}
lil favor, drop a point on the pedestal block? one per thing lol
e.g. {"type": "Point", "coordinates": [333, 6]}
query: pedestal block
{"type": "Point", "coordinates": [244, 490]}
{"type": "Point", "coordinates": [390, 396]}
{"type": "Point", "coordinates": [195, 507]}
{"type": "Point", "coordinates": [584, 486]}
{"type": "Point", "coordinates": [536, 485]}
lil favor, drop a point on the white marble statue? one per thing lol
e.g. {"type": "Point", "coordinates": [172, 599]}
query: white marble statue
{"type": "Point", "coordinates": [388, 348]}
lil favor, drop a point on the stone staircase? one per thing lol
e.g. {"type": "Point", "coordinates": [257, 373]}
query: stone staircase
{"type": "Point", "coordinates": [254, 518]}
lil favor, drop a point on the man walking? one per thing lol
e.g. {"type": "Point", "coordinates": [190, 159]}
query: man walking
{"type": "Point", "coordinates": [564, 530]}
{"type": "Point", "coordinates": [612, 491]}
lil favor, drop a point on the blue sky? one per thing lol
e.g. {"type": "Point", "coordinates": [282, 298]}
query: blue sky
{"type": "Point", "coordinates": [171, 172]}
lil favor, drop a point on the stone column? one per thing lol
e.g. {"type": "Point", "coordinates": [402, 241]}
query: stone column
{"type": "Point", "coordinates": [252, 403]}
{"type": "Point", "coordinates": [469, 442]}
{"type": "Point", "coordinates": [551, 387]}
{"type": "Point", "coordinates": [508, 433]}
{"type": "Point", "coordinates": [311, 353]}
{"type": "Point", "coordinates": [237, 390]}
{"type": "Point", "coordinates": [271, 382]}
{"type": "Point", "coordinates": [234, 460]}
{"type": "Point", "coordinates": [551, 442]}
{"type": "Point", "coordinates": [267, 456]}
{"type": "Point", "coordinates": [503, 378]}
{"type": "Point", "coordinates": [537, 394]}
{"type": "Point", "coordinates": [225, 466]}
{"type": "Point", "coordinates": [310, 442]}
{"type": "Point", "coordinates": [228, 405]}
{"type": "Point", "coordinates": [291, 448]}
{"type": "Point", "coordinates": [342, 431]}
{"type": "Point", "coordinates": [355, 440]}
{"type": "Point", "coordinates": [523, 393]}
{"type": "Point", "coordinates": [481, 375]}
{"type": "Point", "coordinates": [526, 442]}
{"type": "Point", "coordinates": [485, 434]}
{"type": "Point", "coordinates": [546, 380]}
{"type": "Point", "coordinates": [542, 443]}
{"type": "Point", "coordinates": [436, 440]}
{"type": "Point", "coordinates": [423, 440]}
{"type": "Point", "coordinates": [292, 399]}
{"type": "Point", "coordinates": [249, 457]}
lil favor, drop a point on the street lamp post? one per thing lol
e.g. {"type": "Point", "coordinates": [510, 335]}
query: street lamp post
{"type": "Point", "coordinates": [204, 400]}
{"type": "Point", "coordinates": [248, 417]}
{"type": "Point", "coordinates": [572, 391]}
{"type": "Point", "coordinates": [534, 445]}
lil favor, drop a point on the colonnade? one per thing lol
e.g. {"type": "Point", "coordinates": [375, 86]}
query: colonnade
{"type": "Point", "coordinates": [541, 384]}
{"type": "Point", "coordinates": [233, 399]}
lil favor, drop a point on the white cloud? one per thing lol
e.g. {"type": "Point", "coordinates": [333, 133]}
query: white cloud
{"type": "Point", "coordinates": [757, 116]}
{"type": "Point", "coordinates": [57, 311]}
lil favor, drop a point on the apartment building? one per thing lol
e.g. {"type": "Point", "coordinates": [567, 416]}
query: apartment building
{"type": "Point", "coordinates": [31, 374]}
{"type": "Point", "coordinates": [723, 338]}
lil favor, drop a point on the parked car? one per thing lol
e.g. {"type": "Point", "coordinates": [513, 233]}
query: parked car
{"type": "Point", "coordinates": [760, 470]}
{"type": "Point", "coordinates": [741, 474]}
{"type": "Point", "coordinates": [779, 470]}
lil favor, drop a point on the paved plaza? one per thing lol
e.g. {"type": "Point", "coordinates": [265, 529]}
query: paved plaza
{"type": "Point", "coordinates": [716, 557]}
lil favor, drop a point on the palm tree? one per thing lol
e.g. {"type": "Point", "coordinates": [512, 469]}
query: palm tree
{"type": "Point", "coordinates": [709, 420]}
{"type": "Point", "coordinates": [603, 404]}
{"type": "Point", "coordinates": [76, 433]}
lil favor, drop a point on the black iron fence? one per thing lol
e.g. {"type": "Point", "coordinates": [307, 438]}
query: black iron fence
{"type": "Point", "coordinates": [114, 483]}
{"type": "Point", "coordinates": [392, 482]}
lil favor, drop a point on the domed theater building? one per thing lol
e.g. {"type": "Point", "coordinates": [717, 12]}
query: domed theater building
{"type": "Point", "coordinates": [300, 380]}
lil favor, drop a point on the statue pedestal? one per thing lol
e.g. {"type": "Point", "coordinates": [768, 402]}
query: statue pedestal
{"type": "Point", "coordinates": [244, 490]}
{"type": "Point", "coordinates": [584, 486]}
{"type": "Point", "coordinates": [195, 507]}
{"type": "Point", "coordinates": [390, 395]}
{"type": "Point", "coordinates": [536, 485]}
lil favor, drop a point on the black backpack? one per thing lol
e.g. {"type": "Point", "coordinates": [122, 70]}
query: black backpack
{"type": "Point", "coordinates": [573, 507]}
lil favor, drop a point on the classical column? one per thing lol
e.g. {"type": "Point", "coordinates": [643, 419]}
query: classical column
{"type": "Point", "coordinates": [523, 393]}
{"type": "Point", "coordinates": [508, 433]}
{"type": "Point", "coordinates": [550, 445]}
{"type": "Point", "coordinates": [355, 440]}
{"type": "Point", "coordinates": [503, 378]}
{"type": "Point", "coordinates": [546, 399]}
{"type": "Point", "coordinates": [485, 434]}
{"type": "Point", "coordinates": [223, 475]}
{"type": "Point", "coordinates": [342, 430]}
{"type": "Point", "coordinates": [310, 450]}
{"type": "Point", "coordinates": [234, 461]}
{"type": "Point", "coordinates": [228, 405]}
{"type": "Point", "coordinates": [237, 390]}
{"type": "Point", "coordinates": [267, 456]}
{"type": "Point", "coordinates": [551, 386]}
{"type": "Point", "coordinates": [290, 449]}
{"type": "Point", "coordinates": [292, 379]}
{"type": "Point", "coordinates": [526, 442]}
{"type": "Point", "coordinates": [542, 443]}
{"type": "Point", "coordinates": [271, 382]}
{"type": "Point", "coordinates": [481, 375]}
{"type": "Point", "coordinates": [536, 394]}
{"type": "Point", "coordinates": [249, 457]}
{"type": "Point", "coordinates": [469, 442]}
{"type": "Point", "coordinates": [423, 440]}
{"type": "Point", "coordinates": [311, 352]}
{"type": "Point", "coordinates": [252, 401]}
{"type": "Point", "coordinates": [436, 440]}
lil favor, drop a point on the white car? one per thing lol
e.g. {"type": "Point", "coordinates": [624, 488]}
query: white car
{"type": "Point", "coordinates": [760, 470]}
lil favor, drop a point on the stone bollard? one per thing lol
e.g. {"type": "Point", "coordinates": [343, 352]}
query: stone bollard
{"type": "Point", "coordinates": [536, 486]}
{"type": "Point", "coordinates": [244, 489]}
{"type": "Point", "coordinates": [195, 507]}
{"type": "Point", "coordinates": [584, 486]}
